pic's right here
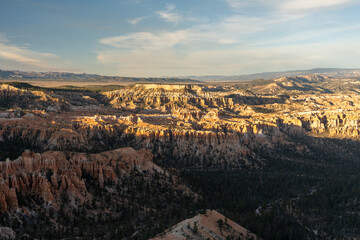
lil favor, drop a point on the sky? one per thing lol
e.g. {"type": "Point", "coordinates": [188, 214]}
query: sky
{"type": "Point", "coordinates": [157, 38]}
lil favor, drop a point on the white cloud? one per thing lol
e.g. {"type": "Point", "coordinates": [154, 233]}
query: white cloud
{"type": "Point", "coordinates": [193, 38]}
{"type": "Point", "coordinates": [14, 57]}
{"type": "Point", "coordinates": [169, 15]}
{"type": "Point", "coordinates": [236, 44]}
{"type": "Point", "coordinates": [24, 55]}
{"type": "Point", "coordinates": [135, 21]}
{"type": "Point", "coordinates": [291, 5]}
{"type": "Point", "coordinates": [236, 3]}
{"type": "Point", "coordinates": [238, 24]}
{"type": "Point", "coordinates": [305, 5]}
{"type": "Point", "coordinates": [226, 41]}
{"type": "Point", "coordinates": [231, 61]}
{"type": "Point", "coordinates": [209, 49]}
{"type": "Point", "coordinates": [147, 40]}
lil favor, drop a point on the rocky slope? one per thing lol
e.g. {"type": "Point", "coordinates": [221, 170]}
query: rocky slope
{"type": "Point", "coordinates": [305, 84]}
{"type": "Point", "coordinates": [190, 126]}
{"type": "Point", "coordinates": [48, 175]}
{"type": "Point", "coordinates": [167, 97]}
{"type": "Point", "coordinates": [84, 176]}
{"type": "Point", "coordinates": [54, 185]}
{"type": "Point", "coordinates": [11, 97]}
{"type": "Point", "coordinates": [211, 225]}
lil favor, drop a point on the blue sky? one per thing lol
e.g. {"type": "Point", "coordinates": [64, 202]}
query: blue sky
{"type": "Point", "coordinates": [178, 38]}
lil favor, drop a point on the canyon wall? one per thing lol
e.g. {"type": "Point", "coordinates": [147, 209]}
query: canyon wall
{"type": "Point", "coordinates": [48, 175]}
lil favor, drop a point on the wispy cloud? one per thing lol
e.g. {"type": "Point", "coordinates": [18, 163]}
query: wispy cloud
{"type": "Point", "coordinates": [305, 5]}
{"type": "Point", "coordinates": [291, 5]}
{"type": "Point", "coordinates": [279, 38]}
{"type": "Point", "coordinates": [220, 48]}
{"type": "Point", "coordinates": [135, 21]}
{"type": "Point", "coordinates": [193, 37]}
{"type": "Point", "coordinates": [169, 15]}
{"type": "Point", "coordinates": [147, 40]}
{"type": "Point", "coordinates": [24, 55]}
{"type": "Point", "coordinates": [14, 55]}
{"type": "Point", "coordinates": [236, 3]}
{"type": "Point", "coordinates": [3, 38]}
{"type": "Point", "coordinates": [230, 61]}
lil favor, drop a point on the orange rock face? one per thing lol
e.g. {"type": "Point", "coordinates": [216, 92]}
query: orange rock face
{"type": "Point", "coordinates": [49, 174]}
{"type": "Point", "coordinates": [202, 126]}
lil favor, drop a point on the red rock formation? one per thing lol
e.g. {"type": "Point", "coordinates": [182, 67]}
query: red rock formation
{"type": "Point", "coordinates": [200, 124]}
{"type": "Point", "coordinates": [49, 174]}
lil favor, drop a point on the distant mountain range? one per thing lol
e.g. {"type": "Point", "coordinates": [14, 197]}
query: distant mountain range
{"type": "Point", "coordinates": [330, 72]}
{"type": "Point", "coordinates": [82, 77]}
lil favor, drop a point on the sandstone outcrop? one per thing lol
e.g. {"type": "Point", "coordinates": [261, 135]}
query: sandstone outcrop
{"type": "Point", "coordinates": [200, 126]}
{"type": "Point", "coordinates": [211, 225]}
{"type": "Point", "coordinates": [52, 173]}
{"type": "Point", "coordinates": [81, 167]}
{"type": "Point", "coordinates": [167, 98]}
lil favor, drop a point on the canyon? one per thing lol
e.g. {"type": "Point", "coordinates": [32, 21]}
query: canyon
{"type": "Point", "coordinates": [100, 153]}
{"type": "Point", "coordinates": [197, 128]}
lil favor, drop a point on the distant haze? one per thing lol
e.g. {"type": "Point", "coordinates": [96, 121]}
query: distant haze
{"type": "Point", "coordinates": [331, 72]}
{"type": "Point", "coordinates": [64, 77]}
